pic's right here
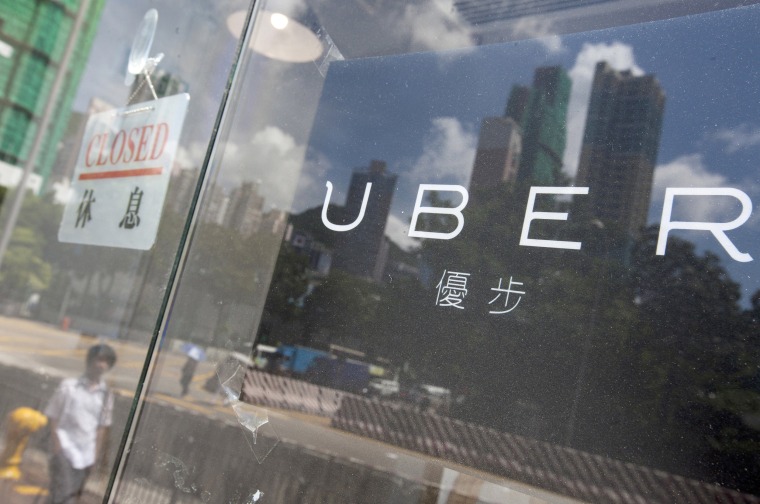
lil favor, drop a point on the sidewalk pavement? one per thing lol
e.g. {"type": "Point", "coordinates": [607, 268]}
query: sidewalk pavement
{"type": "Point", "coordinates": [32, 488]}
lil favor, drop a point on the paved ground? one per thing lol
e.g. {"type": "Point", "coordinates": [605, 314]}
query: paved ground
{"type": "Point", "coordinates": [53, 354]}
{"type": "Point", "coordinates": [57, 353]}
{"type": "Point", "coordinates": [32, 488]}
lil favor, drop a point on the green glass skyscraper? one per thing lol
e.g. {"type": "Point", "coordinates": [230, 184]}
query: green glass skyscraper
{"type": "Point", "coordinates": [33, 35]}
{"type": "Point", "coordinates": [541, 111]}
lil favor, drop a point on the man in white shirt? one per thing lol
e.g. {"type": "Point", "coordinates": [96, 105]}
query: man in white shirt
{"type": "Point", "coordinates": [79, 413]}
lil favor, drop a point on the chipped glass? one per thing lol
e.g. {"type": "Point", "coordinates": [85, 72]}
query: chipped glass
{"type": "Point", "coordinates": [261, 436]}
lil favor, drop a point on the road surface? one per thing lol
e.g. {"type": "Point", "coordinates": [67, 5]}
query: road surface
{"type": "Point", "coordinates": [51, 354]}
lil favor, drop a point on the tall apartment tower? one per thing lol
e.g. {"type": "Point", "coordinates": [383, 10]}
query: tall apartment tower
{"type": "Point", "coordinates": [362, 251]}
{"type": "Point", "coordinates": [498, 155]}
{"type": "Point", "coordinates": [528, 142]}
{"type": "Point", "coordinates": [164, 84]}
{"type": "Point", "coordinates": [245, 211]}
{"type": "Point", "coordinates": [33, 34]}
{"type": "Point", "coordinates": [541, 111]}
{"type": "Point", "coordinates": [620, 146]}
{"type": "Point", "coordinates": [181, 189]}
{"type": "Point", "coordinates": [519, 99]}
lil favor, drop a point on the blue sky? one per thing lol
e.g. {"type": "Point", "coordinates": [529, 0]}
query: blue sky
{"type": "Point", "coordinates": [421, 113]}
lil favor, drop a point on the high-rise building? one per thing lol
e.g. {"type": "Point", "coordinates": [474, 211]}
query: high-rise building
{"type": "Point", "coordinates": [33, 35]}
{"type": "Point", "coordinates": [541, 111]}
{"type": "Point", "coordinates": [361, 250]}
{"type": "Point", "coordinates": [480, 13]}
{"type": "Point", "coordinates": [63, 168]}
{"type": "Point", "coordinates": [274, 221]}
{"type": "Point", "coordinates": [620, 146]}
{"type": "Point", "coordinates": [519, 98]}
{"type": "Point", "coordinates": [181, 189]}
{"type": "Point", "coordinates": [216, 208]}
{"type": "Point", "coordinates": [498, 155]}
{"type": "Point", "coordinates": [164, 84]}
{"type": "Point", "coordinates": [529, 141]}
{"type": "Point", "coordinates": [246, 208]}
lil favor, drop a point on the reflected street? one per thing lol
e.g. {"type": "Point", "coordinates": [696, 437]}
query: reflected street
{"type": "Point", "coordinates": [29, 374]}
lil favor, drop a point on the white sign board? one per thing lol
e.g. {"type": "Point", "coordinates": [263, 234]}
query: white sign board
{"type": "Point", "coordinates": [122, 174]}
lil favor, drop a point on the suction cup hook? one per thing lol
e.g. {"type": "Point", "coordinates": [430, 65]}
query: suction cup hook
{"type": "Point", "coordinates": [139, 60]}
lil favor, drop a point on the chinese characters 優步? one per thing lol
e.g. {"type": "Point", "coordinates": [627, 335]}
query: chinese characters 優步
{"type": "Point", "coordinates": [506, 292]}
{"type": "Point", "coordinates": [452, 290]}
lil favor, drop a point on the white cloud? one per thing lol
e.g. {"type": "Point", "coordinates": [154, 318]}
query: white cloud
{"type": "Point", "coordinates": [742, 137]}
{"type": "Point", "coordinates": [62, 191]}
{"type": "Point", "coordinates": [448, 153]}
{"type": "Point", "coordinates": [271, 157]}
{"type": "Point", "coordinates": [434, 28]}
{"type": "Point", "coordinates": [447, 156]}
{"type": "Point", "coordinates": [190, 156]}
{"type": "Point", "coordinates": [685, 171]}
{"type": "Point", "coordinates": [397, 229]}
{"type": "Point", "coordinates": [541, 29]}
{"type": "Point", "coordinates": [279, 160]}
{"type": "Point", "coordinates": [620, 57]}
{"type": "Point", "coordinates": [690, 171]}
{"type": "Point", "coordinates": [275, 140]}
{"type": "Point", "coordinates": [311, 189]}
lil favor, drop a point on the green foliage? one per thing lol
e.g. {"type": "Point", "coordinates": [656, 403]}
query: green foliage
{"type": "Point", "coordinates": [613, 349]}
{"type": "Point", "coordinates": [27, 266]}
{"type": "Point", "coordinates": [289, 282]}
{"type": "Point", "coordinates": [24, 269]}
{"type": "Point", "coordinates": [344, 309]}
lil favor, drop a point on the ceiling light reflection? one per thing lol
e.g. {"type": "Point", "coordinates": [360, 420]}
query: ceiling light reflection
{"type": "Point", "coordinates": [279, 37]}
{"type": "Point", "coordinates": [279, 21]}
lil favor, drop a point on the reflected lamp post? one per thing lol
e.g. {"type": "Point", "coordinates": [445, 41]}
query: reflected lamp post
{"type": "Point", "coordinates": [586, 348]}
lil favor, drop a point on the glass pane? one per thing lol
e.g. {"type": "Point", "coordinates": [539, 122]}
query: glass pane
{"type": "Point", "coordinates": [62, 77]}
{"type": "Point", "coordinates": [455, 251]}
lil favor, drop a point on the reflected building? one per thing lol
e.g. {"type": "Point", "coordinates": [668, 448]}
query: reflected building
{"type": "Point", "coordinates": [479, 13]}
{"type": "Point", "coordinates": [33, 35]}
{"type": "Point", "coordinates": [274, 221]}
{"type": "Point", "coordinates": [241, 210]}
{"type": "Point", "coordinates": [519, 98]}
{"type": "Point", "coordinates": [620, 146]}
{"type": "Point", "coordinates": [541, 111]}
{"type": "Point", "coordinates": [63, 168]}
{"type": "Point", "coordinates": [498, 155]}
{"type": "Point", "coordinates": [245, 210]}
{"type": "Point", "coordinates": [182, 189]}
{"type": "Point", "coordinates": [216, 208]}
{"type": "Point", "coordinates": [363, 251]}
{"type": "Point", "coordinates": [304, 243]}
{"type": "Point", "coordinates": [528, 142]}
{"type": "Point", "coordinates": [164, 84]}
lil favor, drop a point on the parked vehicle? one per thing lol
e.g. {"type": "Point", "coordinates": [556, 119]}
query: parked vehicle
{"type": "Point", "coordinates": [383, 387]}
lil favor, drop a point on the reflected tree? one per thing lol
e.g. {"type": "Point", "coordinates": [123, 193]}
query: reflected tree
{"type": "Point", "coordinates": [613, 349]}
{"type": "Point", "coordinates": [27, 265]}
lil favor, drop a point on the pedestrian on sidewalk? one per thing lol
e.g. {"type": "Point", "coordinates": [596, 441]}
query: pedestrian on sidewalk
{"type": "Point", "coordinates": [80, 413]}
{"type": "Point", "coordinates": [195, 354]}
{"type": "Point", "coordinates": [186, 375]}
